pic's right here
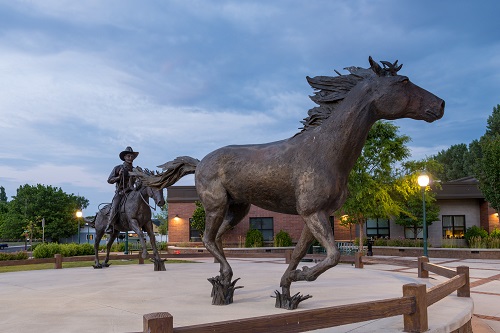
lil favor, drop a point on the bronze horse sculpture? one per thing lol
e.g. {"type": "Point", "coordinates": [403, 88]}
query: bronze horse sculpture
{"type": "Point", "coordinates": [135, 214]}
{"type": "Point", "coordinates": [304, 175]}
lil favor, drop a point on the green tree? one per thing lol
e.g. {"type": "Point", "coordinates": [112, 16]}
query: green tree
{"type": "Point", "coordinates": [412, 212]}
{"type": "Point", "coordinates": [3, 195]}
{"type": "Point", "coordinates": [488, 169]}
{"type": "Point", "coordinates": [493, 122]}
{"type": "Point", "coordinates": [3, 202]}
{"type": "Point", "coordinates": [198, 218]}
{"type": "Point", "coordinates": [32, 203]}
{"type": "Point", "coordinates": [163, 217]}
{"type": "Point", "coordinates": [456, 162]}
{"type": "Point", "coordinates": [373, 190]}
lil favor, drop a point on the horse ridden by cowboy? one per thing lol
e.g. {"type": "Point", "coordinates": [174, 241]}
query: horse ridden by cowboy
{"type": "Point", "coordinates": [124, 184]}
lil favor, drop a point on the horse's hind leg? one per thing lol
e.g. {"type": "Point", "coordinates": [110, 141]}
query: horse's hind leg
{"type": "Point", "coordinates": [216, 204]}
{"type": "Point", "coordinates": [235, 213]}
{"type": "Point", "coordinates": [111, 239]}
{"type": "Point", "coordinates": [97, 241]}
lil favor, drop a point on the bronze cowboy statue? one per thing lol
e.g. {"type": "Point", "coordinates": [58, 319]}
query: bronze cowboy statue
{"type": "Point", "coordinates": [124, 184]}
{"type": "Point", "coordinates": [129, 211]}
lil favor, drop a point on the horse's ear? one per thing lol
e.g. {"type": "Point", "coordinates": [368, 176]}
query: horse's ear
{"type": "Point", "coordinates": [375, 66]}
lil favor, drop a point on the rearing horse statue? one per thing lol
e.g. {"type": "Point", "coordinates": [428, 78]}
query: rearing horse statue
{"type": "Point", "coordinates": [304, 175]}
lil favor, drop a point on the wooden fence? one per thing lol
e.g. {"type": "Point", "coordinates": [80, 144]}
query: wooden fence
{"type": "Point", "coordinates": [412, 306]}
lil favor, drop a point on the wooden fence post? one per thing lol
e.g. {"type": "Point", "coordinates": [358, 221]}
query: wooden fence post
{"type": "Point", "coordinates": [141, 259]}
{"type": "Point", "coordinates": [416, 321]}
{"type": "Point", "coordinates": [57, 261]}
{"type": "Point", "coordinates": [422, 273]}
{"type": "Point", "coordinates": [358, 261]}
{"type": "Point", "coordinates": [158, 322]}
{"type": "Point", "coordinates": [464, 291]}
{"type": "Point", "coordinates": [288, 256]}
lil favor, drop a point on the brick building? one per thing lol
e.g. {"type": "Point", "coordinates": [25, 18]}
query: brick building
{"type": "Point", "coordinates": [462, 205]}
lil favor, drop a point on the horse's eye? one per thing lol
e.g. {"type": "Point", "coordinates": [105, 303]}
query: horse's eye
{"type": "Point", "coordinates": [405, 80]}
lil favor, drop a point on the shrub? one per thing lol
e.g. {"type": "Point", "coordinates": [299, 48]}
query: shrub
{"type": "Point", "coordinates": [282, 239]}
{"type": "Point", "coordinates": [254, 238]}
{"type": "Point", "coordinates": [474, 232]}
{"type": "Point", "coordinates": [21, 255]}
{"type": "Point", "coordinates": [495, 233]}
{"type": "Point", "coordinates": [48, 250]}
{"type": "Point", "coordinates": [477, 242]}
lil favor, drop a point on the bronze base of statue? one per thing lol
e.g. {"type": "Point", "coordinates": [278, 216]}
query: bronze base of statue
{"type": "Point", "coordinates": [159, 264]}
{"type": "Point", "coordinates": [222, 292]}
{"type": "Point", "coordinates": [289, 302]}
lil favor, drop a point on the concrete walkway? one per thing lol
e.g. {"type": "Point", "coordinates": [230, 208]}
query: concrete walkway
{"type": "Point", "coordinates": [116, 298]}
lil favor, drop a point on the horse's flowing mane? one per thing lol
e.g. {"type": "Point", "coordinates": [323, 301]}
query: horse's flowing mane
{"type": "Point", "coordinates": [330, 91]}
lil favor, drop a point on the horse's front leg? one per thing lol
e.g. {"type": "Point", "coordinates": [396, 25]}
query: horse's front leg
{"type": "Point", "coordinates": [134, 225]}
{"type": "Point", "coordinates": [319, 227]}
{"type": "Point", "coordinates": [284, 299]}
{"type": "Point", "coordinates": [159, 263]}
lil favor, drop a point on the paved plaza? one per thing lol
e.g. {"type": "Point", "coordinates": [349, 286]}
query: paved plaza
{"type": "Point", "coordinates": [115, 299]}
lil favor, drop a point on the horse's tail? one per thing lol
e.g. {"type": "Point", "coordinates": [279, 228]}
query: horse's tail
{"type": "Point", "coordinates": [101, 210]}
{"type": "Point", "coordinates": [172, 172]}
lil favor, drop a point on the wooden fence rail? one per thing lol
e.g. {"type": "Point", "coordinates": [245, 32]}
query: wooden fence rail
{"type": "Point", "coordinates": [413, 306]}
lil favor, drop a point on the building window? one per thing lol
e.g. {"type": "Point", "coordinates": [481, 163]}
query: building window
{"type": "Point", "coordinates": [377, 228]}
{"type": "Point", "coordinates": [453, 226]}
{"type": "Point", "coordinates": [264, 225]}
{"type": "Point", "coordinates": [194, 234]}
{"type": "Point", "coordinates": [410, 233]}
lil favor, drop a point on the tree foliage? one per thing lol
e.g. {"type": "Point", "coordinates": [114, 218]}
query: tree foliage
{"type": "Point", "coordinates": [412, 214]}
{"type": "Point", "coordinates": [33, 203]}
{"type": "Point", "coordinates": [162, 215]}
{"type": "Point", "coordinates": [488, 170]}
{"type": "Point", "coordinates": [375, 188]}
{"type": "Point", "coordinates": [456, 161]}
{"type": "Point", "coordinates": [198, 218]}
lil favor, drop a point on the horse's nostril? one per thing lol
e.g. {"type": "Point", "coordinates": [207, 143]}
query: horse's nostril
{"type": "Point", "coordinates": [442, 105]}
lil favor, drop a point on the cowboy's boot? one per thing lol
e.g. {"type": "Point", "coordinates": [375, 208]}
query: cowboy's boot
{"type": "Point", "coordinates": [110, 226]}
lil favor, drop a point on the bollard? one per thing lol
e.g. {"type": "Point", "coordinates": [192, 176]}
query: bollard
{"type": "Point", "coordinates": [158, 322]}
{"type": "Point", "coordinates": [358, 261]}
{"type": "Point", "coordinates": [58, 261]}
{"type": "Point", "coordinates": [288, 256]}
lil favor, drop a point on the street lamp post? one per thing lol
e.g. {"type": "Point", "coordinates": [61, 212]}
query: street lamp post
{"type": "Point", "coordinates": [88, 233]}
{"type": "Point", "coordinates": [423, 181]}
{"type": "Point", "coordinates": [79, 214]}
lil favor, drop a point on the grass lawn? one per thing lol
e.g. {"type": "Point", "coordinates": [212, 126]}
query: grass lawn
{"type": "Point", "coordinates": [34, 267]}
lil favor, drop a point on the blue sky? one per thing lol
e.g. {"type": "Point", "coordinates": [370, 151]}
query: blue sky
{"type": "Point", "coordinates": [81, 80]}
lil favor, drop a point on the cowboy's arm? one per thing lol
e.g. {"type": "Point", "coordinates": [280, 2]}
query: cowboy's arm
{"type": "Point", "coordinates": [115, 174]}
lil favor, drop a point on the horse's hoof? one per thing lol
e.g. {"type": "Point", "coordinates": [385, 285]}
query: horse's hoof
{"type": "Point", "coordinates": [106, 265]}
{"type": "Point", "coordinates": [222, 292]}
{"type": "Point", "coordinates": [97, 266]}
{"type": "Point", "coordinates": [284, 301]}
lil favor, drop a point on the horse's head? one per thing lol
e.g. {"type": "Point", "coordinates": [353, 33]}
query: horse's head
{"type": "Point", "coordinates": [394, 96]}
{"type": "Point", "coordinates": [151, 192]}
{"type": "Point", "coordinates": [157, 195]}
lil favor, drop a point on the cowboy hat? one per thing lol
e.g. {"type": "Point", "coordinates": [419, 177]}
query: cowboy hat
{"type": "Point", "coordinates": [128, 150]}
